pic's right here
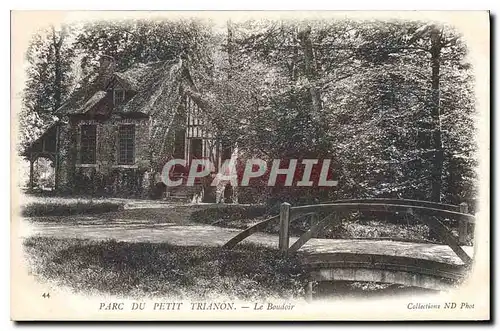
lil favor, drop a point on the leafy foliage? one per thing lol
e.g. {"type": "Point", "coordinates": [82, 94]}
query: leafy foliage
{"type": "Point", "coordinates": [376, 117]}
{"type": "Point", "coordinates": [143, 41]}
{"type": "Point", "coordinates": [50, 79]}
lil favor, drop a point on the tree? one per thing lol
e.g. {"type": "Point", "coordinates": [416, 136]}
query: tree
{"type": "Point", "coordinates": [50, 58]}
{"type": "Point", "coordinates": [378, 111]}
{"type": "Point", "coordinates": [147, 40]}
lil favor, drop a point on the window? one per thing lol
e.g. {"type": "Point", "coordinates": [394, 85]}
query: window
{"type": "Point", "coordinates": [126, 141]}
{"type": "Point", "coordinates": [118, 96]}
{"type": "Point", "coordinates": [88, 144]}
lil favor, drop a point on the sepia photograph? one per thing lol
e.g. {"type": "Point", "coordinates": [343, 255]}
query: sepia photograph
{"type": "Point", "coordinates": [250, 165]}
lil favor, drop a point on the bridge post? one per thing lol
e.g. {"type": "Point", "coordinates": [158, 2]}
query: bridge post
{"type": "Point", "coordinates": [462, 225]}
{"type": "Point", "coordinates": [284, 225]}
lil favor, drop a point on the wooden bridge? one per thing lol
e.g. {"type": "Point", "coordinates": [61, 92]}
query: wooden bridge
{"type": "Point", "coordinates": [385, 260]}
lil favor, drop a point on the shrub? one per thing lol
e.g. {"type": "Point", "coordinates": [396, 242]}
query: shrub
{"type": "Point", "coordinates": [64, 209]}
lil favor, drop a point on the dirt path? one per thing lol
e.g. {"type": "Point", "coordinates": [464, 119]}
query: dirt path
{"type": "Point", "coordinates": [170, 223]}
{"type": "Point", "coordinates": [184, 235]}
{"type": "Point", "coordinates": [141, 221]}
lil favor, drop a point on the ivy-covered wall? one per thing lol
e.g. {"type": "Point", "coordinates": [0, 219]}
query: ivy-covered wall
{"type": "Point", "coordinates": [106, 176]}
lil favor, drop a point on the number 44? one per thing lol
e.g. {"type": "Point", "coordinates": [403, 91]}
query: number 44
{"type": "Point", "coordinates": [46, 295]}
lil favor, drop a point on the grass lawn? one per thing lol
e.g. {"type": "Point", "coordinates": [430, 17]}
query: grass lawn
{"type": "Point", "coordinates": [147, 269]}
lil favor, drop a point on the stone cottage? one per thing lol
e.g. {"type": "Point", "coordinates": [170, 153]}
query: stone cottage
{"type": "Point", "coordinates": [115, 134]}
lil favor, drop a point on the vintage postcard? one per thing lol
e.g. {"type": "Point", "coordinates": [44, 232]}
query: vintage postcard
{"type": "Point", "coordinates": [227, 165]}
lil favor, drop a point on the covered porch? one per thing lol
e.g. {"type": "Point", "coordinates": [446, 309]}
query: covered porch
{"type": "Point", "coordinates": [46, 146]}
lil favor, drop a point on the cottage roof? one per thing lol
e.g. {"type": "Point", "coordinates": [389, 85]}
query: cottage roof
{"type": "Point", "coordinates": [155, 86]}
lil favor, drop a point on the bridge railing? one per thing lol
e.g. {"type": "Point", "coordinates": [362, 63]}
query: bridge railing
{"type": "Point", "coordinates": [427, 212]}
{"type": "Point", "coordinates": [409, 202]}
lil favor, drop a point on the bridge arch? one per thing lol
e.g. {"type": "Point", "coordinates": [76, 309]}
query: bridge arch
{"type": "Point", "coordinates": [403, 270]}
{"type": "Point", "coordinates": [381, 276]}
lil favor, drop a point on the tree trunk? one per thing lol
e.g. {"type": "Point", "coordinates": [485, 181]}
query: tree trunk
{"type": "Point", "coordinates": [310, 67]}
{"type": "Point", "coordinates": [57, 44]}
{"type": "Point", "coordinates": [230, 49]}
{"type": "Point", "coordinates": [292, 65]}
{"type": "Point", "coordinates": [437, 146]}
{"type": "Point", "coordinates": [32, 172]}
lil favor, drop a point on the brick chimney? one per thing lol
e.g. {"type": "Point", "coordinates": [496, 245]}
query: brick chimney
{"type": "Point", "coordinates": [107, 67]}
